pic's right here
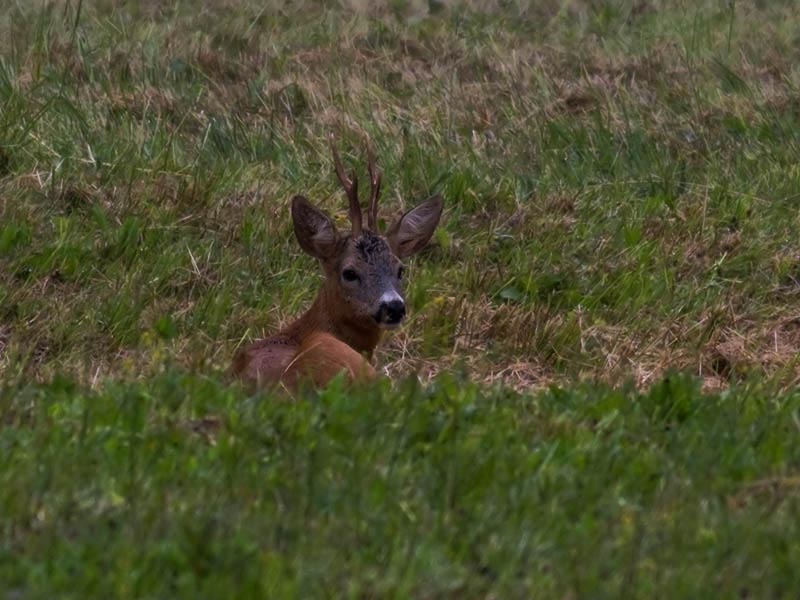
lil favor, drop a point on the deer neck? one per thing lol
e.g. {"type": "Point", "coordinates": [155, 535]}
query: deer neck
{"type": "Point", "coordinates": [328, 313]}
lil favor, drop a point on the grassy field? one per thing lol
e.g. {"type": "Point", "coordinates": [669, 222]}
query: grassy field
{"type": "Point", "coordinates": [622, 183]}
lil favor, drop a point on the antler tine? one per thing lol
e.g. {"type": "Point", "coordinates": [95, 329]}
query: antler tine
{"type": "Point", "coordinates": [375, 192]}
{"type": "Point", "coordinates": [350, 185]}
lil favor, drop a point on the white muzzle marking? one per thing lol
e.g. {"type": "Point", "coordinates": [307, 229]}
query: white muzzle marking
{"type": "Point", "coordinates": [392, 296]}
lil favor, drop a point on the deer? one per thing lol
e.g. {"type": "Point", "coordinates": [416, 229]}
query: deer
{"type": "Point", "coordinates": [360, 298]}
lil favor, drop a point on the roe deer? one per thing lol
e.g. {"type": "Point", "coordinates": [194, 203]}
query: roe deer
{"type": "Point", "coordinates": [361, 296]}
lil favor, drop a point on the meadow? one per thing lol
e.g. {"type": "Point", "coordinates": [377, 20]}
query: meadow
{"type": "Point", "coordinates": [594, 395]}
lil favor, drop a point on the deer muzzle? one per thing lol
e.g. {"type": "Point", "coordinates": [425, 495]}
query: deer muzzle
{"type": "Point", "coordinates": [391, 311]}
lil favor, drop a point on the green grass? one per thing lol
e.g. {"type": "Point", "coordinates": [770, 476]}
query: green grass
{"type": "Point", "coordinates": [450, 490]}
{"type": "Point", "coordinates": [622, 186]}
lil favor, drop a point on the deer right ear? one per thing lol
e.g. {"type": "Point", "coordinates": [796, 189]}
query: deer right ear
{"type": "Point", "coordinates": [314, 229]}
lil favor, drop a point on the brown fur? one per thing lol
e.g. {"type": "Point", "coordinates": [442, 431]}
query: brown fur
{"type": "Point", "coordinates": [321, 357]}
{"type": "Point", "coordinates": [325, 336]}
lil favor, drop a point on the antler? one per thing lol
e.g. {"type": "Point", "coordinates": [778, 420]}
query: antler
{"type": "Point", "coordinates": [375, 192]}
{"type": "Point", "coordinates": [350, 185]}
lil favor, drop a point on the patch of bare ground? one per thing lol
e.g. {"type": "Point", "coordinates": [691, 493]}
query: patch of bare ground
{"type": "Point", "coordinates": [221, 66]}
{"type": "Point", "coordinates": [591, 79]}
{"type": "Point", "coordinates": [5, 335]}
{"type": "Point", "coordinates": [491, 342]}
{"type": "Point", "coordinates": [400, 358]}
{"type": "Point", "coordinates": [733, 353]}
{"type": "Point", "coordinates": [138, 103]}
{"type": "Point", "coordinates": [765, 492]}
{"type": "Point", "coordinates": [206, 427]}
{"type": "Point", "coordinates": [515, 345]}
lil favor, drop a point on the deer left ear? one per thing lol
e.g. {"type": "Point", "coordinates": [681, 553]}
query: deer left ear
{"type": "Point", "coordinates": [411, 232]}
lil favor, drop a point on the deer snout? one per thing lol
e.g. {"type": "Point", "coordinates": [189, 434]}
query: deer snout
{"type": "Point", "coordinates": [394, 311]}
{"type": "Point", "coordinates": [391, 310]}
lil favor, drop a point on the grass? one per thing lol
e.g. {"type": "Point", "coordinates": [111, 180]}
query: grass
{"type": "Point", "coordinates": [621, 184]}
{"type": "Point", "coordinates": [450, 490]}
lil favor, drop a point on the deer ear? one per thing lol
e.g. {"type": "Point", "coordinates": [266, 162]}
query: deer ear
{"type": "Point", "coordinates": [314, 229]}
{"type": "Point", "coordinates": [414, 229]}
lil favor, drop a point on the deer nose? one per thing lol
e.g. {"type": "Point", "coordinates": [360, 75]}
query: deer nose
{"type": "Point", "coordinates": [393, 311]}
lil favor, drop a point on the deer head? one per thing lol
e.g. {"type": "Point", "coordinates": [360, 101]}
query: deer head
{"type": "Point", "coordinates": [363, 268]}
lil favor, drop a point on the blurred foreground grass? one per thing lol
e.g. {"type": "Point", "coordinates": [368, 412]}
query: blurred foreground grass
{"type": "Point", "coordinates": [182, 488]}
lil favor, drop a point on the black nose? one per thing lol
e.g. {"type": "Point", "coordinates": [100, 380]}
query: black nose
{"type": "Point", "coordinates": [393, 311]}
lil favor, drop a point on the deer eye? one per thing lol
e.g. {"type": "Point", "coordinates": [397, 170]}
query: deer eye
{"type": "Point", "coordinates": [400, 272]}
{"type": "Point", "coordinates": [350, 275]}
